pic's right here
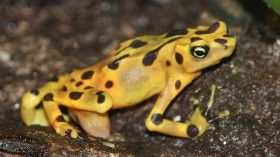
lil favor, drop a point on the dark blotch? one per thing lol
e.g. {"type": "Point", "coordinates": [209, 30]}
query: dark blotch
{"type": "Point", "coordinates": [48, 97]}
{"type": "Point", "coordinates": [221, 41]}
{"type": "Point", "coordinates": [179, 58]}
{"type": "Point", "coordinates": [63, 109]}
{"type": "Point", "coordinates": [211, 29]}
{"type": "Point", "coordinates": [100, 98]}
{"type": "Point", "coordinates": [34, 92]}
{"type": "Point", "coordinates": [150, 57]}
{"type": "Point", "coordinates": [79, 84]}
{"type": "Point", "coordinates": [138, 43]}
{"type": "Point", "coordinates": [99, 92]}
{"type": "Point", "coordinates": [193, 39]}
{"type": "Point", "coordinates": [60, 119]}
{"type": "Point", "coordinates": [168, 63]}
{"type": "Point", "coordinates": [177, 84]}
{"type": "Point", "coordinates": [176, 32]}
{"type": "Point", "coordinates": [109, 84]}
{"type": "Point", "coordinates": [192, 130]}
{"type": "Point", "coordinates": [115, 64]}
{"type": "Point", "coordinates": [72, 80]}
{"type": "Point", "coordinates": [88, 87]}
{"type": "Point", "coordinates": [87, 75]}
{"type": "Point", "coordinates": [75, 95]}
{"type": "Point", "coordinates": [64, 88]}
{"type": "Point", "coordinates": [157, 118]}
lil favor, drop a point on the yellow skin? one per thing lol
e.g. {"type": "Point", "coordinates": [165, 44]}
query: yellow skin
{"type": "Point", "coordinates": [138, 69]}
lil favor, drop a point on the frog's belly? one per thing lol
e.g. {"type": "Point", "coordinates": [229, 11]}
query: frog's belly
{"type": "Point", "coordinates": [134, 97]}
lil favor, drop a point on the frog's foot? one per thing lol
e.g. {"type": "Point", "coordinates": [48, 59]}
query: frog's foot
{"type": "Point", "coordinates": [201, 119]}
{"type": "Point", "coordinates": [64, 128]}
{"type": "Point", "coordinates": [194, 127]}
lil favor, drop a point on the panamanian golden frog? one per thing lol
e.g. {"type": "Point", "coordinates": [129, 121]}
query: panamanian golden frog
{"type": "Point", "coordinates": [136, 70]}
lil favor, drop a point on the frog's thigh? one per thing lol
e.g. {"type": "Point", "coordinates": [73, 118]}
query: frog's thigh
{"type": "Point", "coordinates": [90, 100]}
{"type": "Point", "coordinates": [93, 123]}
{"type": "Point", "coordinates": [29, 113]}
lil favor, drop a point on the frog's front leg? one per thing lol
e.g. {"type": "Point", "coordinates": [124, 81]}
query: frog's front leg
{"type": "Point", "coordinates": [196, 126]}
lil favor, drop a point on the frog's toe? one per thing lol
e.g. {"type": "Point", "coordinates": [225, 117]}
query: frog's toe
{"type": "Point", "coordinates": [72, 133]}
{"type": "Point", "coordinates": [206, 113]}
{"type": "Point", "coordinates": [222, 114]}
{"type": "Point", "coordinates": [213, 119]}
{"type": "Point", "coordinates": [63, 128]}
{"type": "Point", "coordinates": [77, 134]}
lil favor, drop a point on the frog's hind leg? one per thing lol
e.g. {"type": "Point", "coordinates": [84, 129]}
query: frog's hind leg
{"type": "Point", "coordinates": [91, 100]}
{"type": "Point", "coordinates": [30, 112]}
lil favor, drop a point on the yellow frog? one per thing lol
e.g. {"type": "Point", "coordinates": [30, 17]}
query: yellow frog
{"type": "Point", "coordinates": [138, 69]}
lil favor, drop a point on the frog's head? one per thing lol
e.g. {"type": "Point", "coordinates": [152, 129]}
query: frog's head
{"type": "Point", "coordinates": [206, 46]}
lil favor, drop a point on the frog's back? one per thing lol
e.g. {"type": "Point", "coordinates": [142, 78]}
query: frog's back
{"type": "Point", "coordinates": [134, 53]}
{"type": "Point", "coordinates": [144, 44]}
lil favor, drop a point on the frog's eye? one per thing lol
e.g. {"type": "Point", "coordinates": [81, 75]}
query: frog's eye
{"type": "Point", "coordinates": [199, 52]}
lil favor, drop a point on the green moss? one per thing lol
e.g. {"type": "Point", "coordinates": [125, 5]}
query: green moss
{"type": "Point", "coordinates": [275, 4]}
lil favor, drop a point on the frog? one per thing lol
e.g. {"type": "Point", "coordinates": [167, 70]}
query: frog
{"type": "Point", "coordinates": [135, 70]}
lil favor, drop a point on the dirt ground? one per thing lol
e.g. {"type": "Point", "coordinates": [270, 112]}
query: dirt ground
{"type": "Point", "coordinates": [42, 39]}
